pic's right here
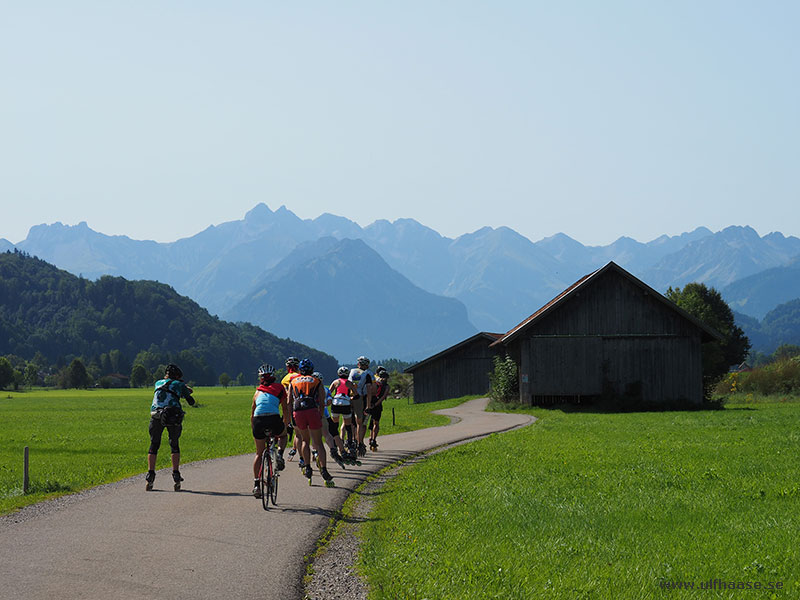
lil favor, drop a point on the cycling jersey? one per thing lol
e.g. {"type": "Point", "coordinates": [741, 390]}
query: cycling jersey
{"type": "Point", "coordinates": [268, 399]}
{"type": "Point", "coordinates": [168, 392]}
{"type": "Point", "coordinates": [362, 378]}
{"type": "Point", "coordinates": [287, 379]}
{"type": "Point", "coordinates": [381, 386]}
{"type": "Point", "coordinates": [342, 397]}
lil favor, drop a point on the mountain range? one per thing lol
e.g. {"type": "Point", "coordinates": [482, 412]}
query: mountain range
{"type": "Point", "coordinates": [496, 275]}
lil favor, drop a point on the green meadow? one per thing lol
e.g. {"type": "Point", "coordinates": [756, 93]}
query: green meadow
{"type": "Point", "coordinates": [83, 438]}
{"type": "Point", "coordinates": [599, 505]}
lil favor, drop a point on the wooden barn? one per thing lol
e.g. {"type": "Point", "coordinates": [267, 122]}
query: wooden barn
{"type": "Point", "coordinates": [460, 370]}
{"type": "Point", "coordinates": [608, 334]}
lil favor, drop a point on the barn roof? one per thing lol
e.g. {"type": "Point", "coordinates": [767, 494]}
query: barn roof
{"type": "Point", "coordinates": [490, 337]}
{"type": "Point", "coordinates": [585, 281]}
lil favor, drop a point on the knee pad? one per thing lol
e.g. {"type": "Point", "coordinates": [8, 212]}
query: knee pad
{"type": "Point", "coordinates": [333, 428]}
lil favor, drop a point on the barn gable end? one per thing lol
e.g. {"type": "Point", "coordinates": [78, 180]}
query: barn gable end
{"type": "Point", "coordinates": [609, 334]}
{"type": "Point", "coordinates": [461, 370]}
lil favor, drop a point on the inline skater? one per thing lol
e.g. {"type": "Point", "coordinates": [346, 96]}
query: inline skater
{"type": "Point", "coordinates": [329, 429]}
{"type": "Point", "coordinates": [363, 379]}
{"type": "Point", "coordinates": [291, 372]}
{"type": "Point", "coordinates": [376, 409]}
{"type": "Point", "coordinates": [269, 403]}
{"type": "Point", "coordinates": [166, 413]}
{"type": "Point", "coordinates": [343, 390]}
{"type": "Point", "coordinates": [308, 401]}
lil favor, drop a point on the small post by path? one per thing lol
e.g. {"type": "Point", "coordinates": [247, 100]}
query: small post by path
{"type": "Point", "coordinates": [393, 416]}
{"type": "Point", "coordinates": [25, 478]}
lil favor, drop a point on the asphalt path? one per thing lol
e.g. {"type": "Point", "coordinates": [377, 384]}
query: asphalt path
{"type": "Point", "coordinates": [210, 540]}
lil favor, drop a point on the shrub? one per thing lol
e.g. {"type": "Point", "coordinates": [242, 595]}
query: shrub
{"type": "Point", "coordinates": [504, 386]}
{"type": "Point", "coordinates": [780, 377]}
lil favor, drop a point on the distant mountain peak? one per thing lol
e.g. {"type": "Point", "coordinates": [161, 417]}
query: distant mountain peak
{"type": "Point", "coordinates": [740, 230]}
{"type": "Point", "coordinates": [258, 212]}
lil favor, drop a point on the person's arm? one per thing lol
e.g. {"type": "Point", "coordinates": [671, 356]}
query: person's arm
{"type": "Point", "coordinates": [186, 392]}
{"type": "Point", "coordinates": [286, 408]}
{"type": "Point", "coordinates": [253, 409]}
{"type": "Point", "coordinates": [321, 400]}
{"type": "Point", "coordinates": [383, 395]}
{"type": "Point", "coordinates": [368, 390]}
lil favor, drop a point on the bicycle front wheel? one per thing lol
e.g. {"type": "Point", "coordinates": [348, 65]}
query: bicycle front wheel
{"type": "Point", "coordinates": [273, 487]}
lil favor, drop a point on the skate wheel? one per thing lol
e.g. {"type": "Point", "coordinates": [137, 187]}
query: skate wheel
{"type": "Point", "coordinates": [177, 487]}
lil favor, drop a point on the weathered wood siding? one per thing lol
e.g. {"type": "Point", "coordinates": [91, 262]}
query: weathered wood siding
{"type": "Point", "coordinates": [611, 337]}
{"type": "Point", "coordinates": [464, 371]}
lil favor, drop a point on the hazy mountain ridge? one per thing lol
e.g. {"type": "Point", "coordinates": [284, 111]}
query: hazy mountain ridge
{"type": "Point", "coordinates": [720, 259]}
{"type": "Point", "coordinates": [341, 295]}
{"type": "Point", "coordinates": [498, 274]}
{"type": "Point", "coordinates": [779, 326]}
{"type": "Point", "coordinates": [757, 294]}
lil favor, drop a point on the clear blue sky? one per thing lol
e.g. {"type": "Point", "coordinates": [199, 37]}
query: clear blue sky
{"type": "Point", "coordinates": [597, 119]}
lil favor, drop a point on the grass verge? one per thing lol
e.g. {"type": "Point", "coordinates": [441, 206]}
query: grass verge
{"type": "Point", "coordinates": [82, 438]}
{"type": "Point", "coordinates": [594, 505]}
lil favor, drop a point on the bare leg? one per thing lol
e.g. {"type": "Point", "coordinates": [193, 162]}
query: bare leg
{"type": "Point", "coordinates": [260, 445]}
{"type": "Point", "coordinates": [316, 438]}
{"type": "Point", "coordinates": [305, 451]}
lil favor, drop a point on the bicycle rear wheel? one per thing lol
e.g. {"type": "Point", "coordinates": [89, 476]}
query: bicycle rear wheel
{"type": "Point", "coordinates": [264, 480]}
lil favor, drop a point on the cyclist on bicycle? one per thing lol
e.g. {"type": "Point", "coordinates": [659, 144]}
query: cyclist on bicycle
{"type": "Point", "coordinates": [362, 378]}
{"type": "Point", "coordinates": [308, 400]}
{"type": "Point", "coordinates": [269, 403]}
{"type": "Point", "coordinates": [375, 411]}
{"type": "Point", "coordinates": [166, 413]}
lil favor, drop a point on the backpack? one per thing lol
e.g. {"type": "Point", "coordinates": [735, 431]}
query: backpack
{"type": "Point", "coordinates": [305, 392]}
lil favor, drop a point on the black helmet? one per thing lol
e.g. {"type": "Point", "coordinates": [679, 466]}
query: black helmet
{"type": "Point", "coordinates": [173, 372]}
{"type": "Point", "coordinates": [266, 370]}
{"type": "Point", "coordinates": [293, 362]}
{"type": "Point", "coordinates": [306, 367]}
{"type": "Point", "coordinates": [362, 360]}
{"type": "Point", "coordinates": [381, 372]}
{"type": "Point", "coordinates": [343, 372]}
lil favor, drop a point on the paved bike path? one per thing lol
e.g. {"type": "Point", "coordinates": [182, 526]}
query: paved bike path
{"type": "Point", "coordinates": [211, 540]}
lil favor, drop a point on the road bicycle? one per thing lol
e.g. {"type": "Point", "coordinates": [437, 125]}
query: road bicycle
{"type": "Point", "coordinates": [268, 475]}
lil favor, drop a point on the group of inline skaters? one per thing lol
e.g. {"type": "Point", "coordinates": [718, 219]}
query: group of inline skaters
{"type": "Point", "coordinates": [300, 404]}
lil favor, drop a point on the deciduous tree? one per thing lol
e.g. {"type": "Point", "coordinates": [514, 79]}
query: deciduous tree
{"type": "Point", "coordinates": [707, 305]}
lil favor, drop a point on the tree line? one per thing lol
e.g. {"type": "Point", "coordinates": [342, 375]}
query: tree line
{"type": "Point", "coordinates": [50, 318]}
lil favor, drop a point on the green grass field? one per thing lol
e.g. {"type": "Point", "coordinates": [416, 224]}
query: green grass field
{"type": "Point", "coordinates": [593, 505]}
{"type": "Point", "coordinates": [82, 438]}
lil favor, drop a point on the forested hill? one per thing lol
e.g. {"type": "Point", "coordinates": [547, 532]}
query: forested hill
{"type": "Point", "coordinates": [49, 311]}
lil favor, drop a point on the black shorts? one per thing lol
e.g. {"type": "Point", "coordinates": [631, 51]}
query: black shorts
{"type": "Point", "coordinates": [343, 409]}
{"type": "Point", "coordinates": [376, 412]}
{"type": "Point", "coordinates": [156, 428]}
{"type": "Point", "coordinates": [272, 424]}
